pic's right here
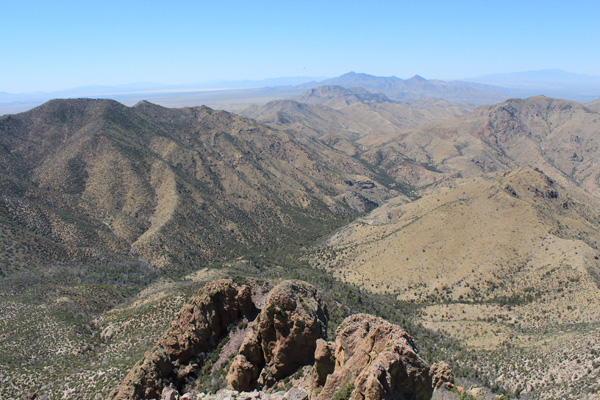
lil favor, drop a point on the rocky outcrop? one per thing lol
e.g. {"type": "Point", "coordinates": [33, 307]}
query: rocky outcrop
{"type": "Point", "coordinates": [324, 362]}
{"type": "Point", "coordinates": [283, 337]}
{"type": "Point", "coordinates": [441, 375]}
{"type": "Point", "coordinates": [373, 360]}
{"type": "Point", "coordinates": [197, 329]}
{"type": "Point", "coordinates": [370, 359]}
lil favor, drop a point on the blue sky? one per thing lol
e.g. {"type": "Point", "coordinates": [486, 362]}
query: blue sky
{"type": "Point", "coordinates": [52, 45]}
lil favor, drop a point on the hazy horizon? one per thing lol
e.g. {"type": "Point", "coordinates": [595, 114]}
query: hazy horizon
{"type": "Point", "coordinates": [60, 45]}
{"type": "Point", "coordinates": [224, 84]}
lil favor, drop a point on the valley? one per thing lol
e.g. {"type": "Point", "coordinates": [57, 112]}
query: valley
{"type": "Point", "coordinates": [474, 227]}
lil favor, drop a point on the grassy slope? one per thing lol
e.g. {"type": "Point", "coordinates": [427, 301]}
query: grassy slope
{"type": "Point", "coordinates": [503, 264]}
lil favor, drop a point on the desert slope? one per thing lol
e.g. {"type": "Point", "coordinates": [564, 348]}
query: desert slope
{"type": "Point", "coordinates": [487, 237]}
{"type": "Point", "coordinates": [558, 136]}
{"type": "Point", "coordinates": [171, 186]}
{"type": "Point", "coordinates": [506, 264]}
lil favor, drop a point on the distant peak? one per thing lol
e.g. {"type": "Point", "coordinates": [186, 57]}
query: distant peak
{"type": "Point", "coordinates": [417, 78]}
{"type": "Point", "coordinates": [354, 74]}
{"type": "Point", "coordinates": [143, 103]}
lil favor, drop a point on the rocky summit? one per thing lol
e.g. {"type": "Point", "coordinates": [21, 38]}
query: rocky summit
{"type": "Point", "coordinates": [284, 339]}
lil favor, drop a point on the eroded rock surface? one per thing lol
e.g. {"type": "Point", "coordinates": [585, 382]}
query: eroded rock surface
{"type": "Point", "coordinates": [324, 362]}
{"type": "Point", "coordinates": [375, 360]}
{"type": "Point", "coordinates": [197, 329]}
{"type": "Point", "coordinates": [442, 376]}
{"type": "Point", "coordinates": [283, 338]}
{"type": "Point", "coordinates": [370, 359]}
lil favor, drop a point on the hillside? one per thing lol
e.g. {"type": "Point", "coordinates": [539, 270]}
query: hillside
{"type": "Point", "coordinates": [413, 250]}
{"type": "Point", "coordinates": [340, 116]}
{"type": "Point", "coordinates": [497, 261]}
{"type": "Point", "coordinates": [175, 187]}
{"type": "Point", "coordinates": [557, 136]}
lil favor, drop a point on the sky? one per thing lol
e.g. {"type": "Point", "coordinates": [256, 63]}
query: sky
{"type": "Point", "coordinates": [52, 45]}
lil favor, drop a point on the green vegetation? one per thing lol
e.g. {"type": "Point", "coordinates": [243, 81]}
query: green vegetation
{"type": "Point", "coordinates": [344, 393]}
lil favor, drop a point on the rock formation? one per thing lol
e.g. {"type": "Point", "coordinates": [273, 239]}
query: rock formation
{"type": "Point", "coordinates": [197, 329]}
{"type": "Point", "coordinates": [324, 362]}
{"type": "Point", "coordinates": [441, 375]}
{"type": "Point", "coordinates": [370, 358]}
{"type": "Point", "coordinates": [283, 337]}
{"type": "Point", "coordinates": [373, 360]}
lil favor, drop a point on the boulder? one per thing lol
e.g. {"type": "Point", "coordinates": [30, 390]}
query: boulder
{"type": "Point", "coordinates": [282, 338]}
{"type": "Point", "coordinates": [376, 360]}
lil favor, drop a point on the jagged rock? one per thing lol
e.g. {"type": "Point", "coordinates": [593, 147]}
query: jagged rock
{"type": "Point", "coordinates": [370, 359]}
{"type": "Point", "coordinates": [296, 394]}
{"type": "Point", "coordinates": [376, 360]}
{"type": "Point", "coordinates": [197, 329]}
{"type": "Point", "coordinates": [324, 362]}
{"type": "Point", "coordinates": [441, 376]}
{"type": "Point", "coordinates": [283, 337]}
{"type": "Point", "coordinates": [169, 394]}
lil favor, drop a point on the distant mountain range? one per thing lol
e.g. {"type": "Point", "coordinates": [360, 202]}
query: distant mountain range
{"type": "Point", "coordinates": [339, 116]}
{"type": "Point", "coordinates": [418, 87]}
{"type": "Point", "coordinates": [235, 95]}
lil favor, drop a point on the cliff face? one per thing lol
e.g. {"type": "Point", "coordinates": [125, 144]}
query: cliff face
{"type": "Point", "coordinates": [284, 340]}
{"type": "Point", "coordinates": [196, 330]}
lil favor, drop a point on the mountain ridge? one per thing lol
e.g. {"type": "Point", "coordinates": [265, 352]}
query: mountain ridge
{"type": "Point", "coordinates": [555, 135]}
{"type": "Point", "coordinates": [418, 87]}
{"type": "Point", "coordinates": [144, 169]}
